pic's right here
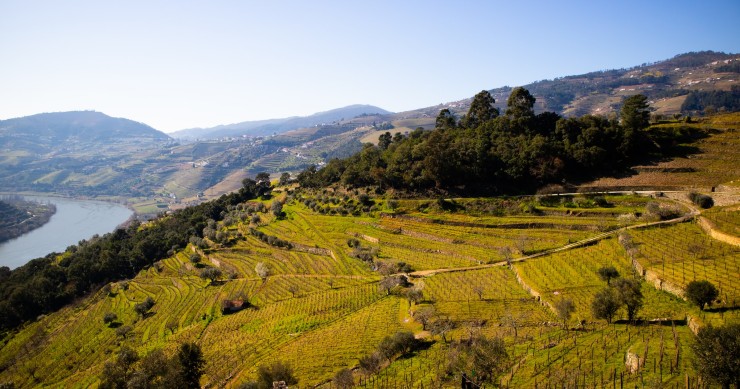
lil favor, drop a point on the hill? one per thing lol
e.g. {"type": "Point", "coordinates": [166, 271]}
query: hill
{"type": "Point", "coordinates": [278, 126]}
{"type": "Point", "coordinates": [77, 153]}
{"type": "Point", "coordinates": [687, 84]}
{"type": "Point", "coordinates": [354, 280]}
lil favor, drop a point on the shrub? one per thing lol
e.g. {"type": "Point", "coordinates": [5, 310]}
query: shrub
{"type": "Point", "coordinates": [701, 200]}
{"type": "Point", "coordinates": [109, 318]}
{"type": "Point", "coordinates": [275, 372]}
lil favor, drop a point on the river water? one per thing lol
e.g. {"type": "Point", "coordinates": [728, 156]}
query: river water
{"type": "Point", "coordinates": [73, 221]}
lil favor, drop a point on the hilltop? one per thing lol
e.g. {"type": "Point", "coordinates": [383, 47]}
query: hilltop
{"type": "Point", "coordinates": [278, 126]}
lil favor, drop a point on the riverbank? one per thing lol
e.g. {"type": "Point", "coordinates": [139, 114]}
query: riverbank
{"type": "Point", "coordinates": [18, 216]}
{"type": "Point", "coordinates": [75, 220]}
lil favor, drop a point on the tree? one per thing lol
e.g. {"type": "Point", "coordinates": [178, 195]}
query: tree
{"type": "Point", "coordinates": [701, 293]}
{"type": "Point", "coordinates": [109, 318]}
{"type": "Point", "coordinates": [117, 374]}
{"type": "Point", "coordinates": [293, 289]}
{"type": "Point", "coordinates": [717, 351]}
{"type": "Point", "coordinates": [387, 284]}
{"type": "Point", "coordinates": [628, 291]}
{"type": "Point", "coordinates": [370, 364]}
{"type": "Point", "coordinates": [385, 140]}
{"type": "Point", "coordinates": [481, 358]}
{"type": "Point", "coordinates": [635, 113]}
{"type": "Point", "coordinates": [344, 379]}
{"type": "Point", "coordinates": [192, 364]}
{"type": "Point", "coordinates": [605, 304]}
{"type": "Point", "coordinates": [520, 104]}
{"type": "Point", "coordinates": [441, 327]}
{"type": "Point", "coordinates": [606, 273]}
{"type": "Point", "coordinates": [276, 371]}
{"type": "Point", "coordinates": [211, 273]}
{"type": "Point", "coordinates": [477, 289]}
{"type": "Point", "coordinates": [565, 308]}
{"type": "Point", "coordinates": [414, 295]}
{"type": "Point", "coordinates": [277, 208]}
{"type": "Point", "coordinates": [262, 270]}
{"type": "Point", "coordinates": [424, 315]}
{"type": "Point", "coordinates": [143, 308]}
{"type": "Point", "coordinates": [481, 110]}
{"type": "Point", "coordinates": [284, 179]}
{"type": "Point", "coordinates": [445, 119]}
{"type": "Point", "coordinates": [124, 331]}
{"type": "Point", "coordinates": [195, 258]}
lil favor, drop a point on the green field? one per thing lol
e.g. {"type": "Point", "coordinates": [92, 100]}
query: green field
{"type": "Point", "coordinates": [322, 307]}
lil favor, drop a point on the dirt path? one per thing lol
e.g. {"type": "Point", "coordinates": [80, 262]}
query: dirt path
{"type": "Point", "coordinates": [694, 213]}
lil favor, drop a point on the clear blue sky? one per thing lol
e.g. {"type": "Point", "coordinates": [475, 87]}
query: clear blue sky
{"type": "Point", "coordinates": [181, 64]}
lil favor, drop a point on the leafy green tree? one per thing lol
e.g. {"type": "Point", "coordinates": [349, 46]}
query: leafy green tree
{"type": "Point", "coordinates": [192, 364]}
{"type": "Point", "coordinates": [195, 258]}
{"type": "Point", "coordinates": [605, 304]}
{"type": "Point", "coordinates": [385, 140]}
{"type": "Point", "coordinates": [635, 113]}
{"type": "Point", "coordinates": [606, 273]}
{"type": "Point", "coordinates": [276, 371]}
{"type": "Point", "coordinates": [717, 351]}
{"type": "Point", "coordinates": [520, 104]}
{"type": "Point", "coordinates": [284, 179]}
{"type": "Point", "coordinates": [211, 273]}
{"type": "Point", "coordinates": [481, 110]}
{"type": "Point", "coordinates": [445, 119]}
{"type": "Point", "coordinates": [277, 208]}
{"type": "Point", "coordinates": [701, 293]}
{"type": "Point", "coordinates": [483, 359]}
{"type": "Point", "coordinates": [143, 307]}
{"type": "Point", "coordinates": [116, 374]}
{"type": "Point", "coordinates": [630, 295]}
{"type": "Point", "coordinates": [109, 318]}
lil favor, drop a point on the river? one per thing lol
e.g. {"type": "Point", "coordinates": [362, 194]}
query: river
{"type": "Point", "coordinates": [73, 221]}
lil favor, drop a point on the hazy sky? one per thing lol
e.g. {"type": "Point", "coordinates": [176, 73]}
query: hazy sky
{"type": "Point", "coordinates": [182, 64]}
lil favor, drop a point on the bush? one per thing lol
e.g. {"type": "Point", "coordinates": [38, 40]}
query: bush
{"type": "Point", "coordinates": [276, 371]}
{"type": "Point", "coordinates": [701, 200]}
{"type": "Point", "coordinates": [195, 258]}
{"type": "Point", "coordinates": [110, 318]}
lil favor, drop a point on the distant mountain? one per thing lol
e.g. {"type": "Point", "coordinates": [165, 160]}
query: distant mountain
{"type": "Point", "coordinates": [59, 127]}
{"type": "Point", "coordinates": [278, 126]}
{"type": "Point", "coordinates": [82, 152]}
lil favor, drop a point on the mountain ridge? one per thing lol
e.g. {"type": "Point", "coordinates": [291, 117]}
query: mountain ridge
{"type": "Point", "coordinates": [278, 125]}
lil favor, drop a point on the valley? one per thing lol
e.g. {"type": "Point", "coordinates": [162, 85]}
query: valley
{"type": "Point", "coordinates": [472, 244]}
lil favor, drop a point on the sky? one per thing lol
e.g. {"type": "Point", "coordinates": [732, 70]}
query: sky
{"type": "Point", "coordinates": [184, 64]}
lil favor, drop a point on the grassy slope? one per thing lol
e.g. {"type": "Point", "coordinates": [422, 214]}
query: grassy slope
{"type": "Point", "coordinates": [321, 310]}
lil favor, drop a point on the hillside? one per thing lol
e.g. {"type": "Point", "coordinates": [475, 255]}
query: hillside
{"type": "Point", "coordinates": [18, 217]}
{"type": "Point", "coordinates": [324, 288]}
{"type": "Point", "coordinates": [705, 78]}
{"type": "Point", "coordinates": [278, 126]}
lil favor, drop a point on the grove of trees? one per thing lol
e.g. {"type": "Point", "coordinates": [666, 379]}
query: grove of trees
{"type": "Point", "coordinates": [487, 151]}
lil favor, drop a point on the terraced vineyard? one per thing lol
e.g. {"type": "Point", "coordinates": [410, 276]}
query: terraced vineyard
{"type": "Point", "coordinates": [321, 305]}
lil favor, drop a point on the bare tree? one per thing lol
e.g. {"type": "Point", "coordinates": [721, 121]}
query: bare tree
{"type": "Point", "coordinates": [262, 270]}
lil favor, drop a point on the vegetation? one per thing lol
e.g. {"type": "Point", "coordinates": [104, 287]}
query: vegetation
{"type": "Point", "coordinates": [347, 285]}
{"type": "Point", "coordinates": [18, 216]}
{"type": "Point", "coordinates": [701, 293]}
{"type": "Point", "coordinates": [485, 151]}
{"type": "Point", "coordinates": [717, 353]}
